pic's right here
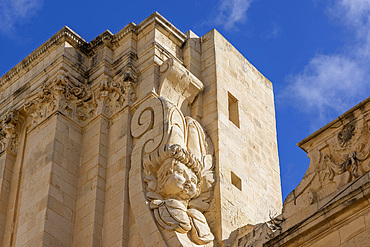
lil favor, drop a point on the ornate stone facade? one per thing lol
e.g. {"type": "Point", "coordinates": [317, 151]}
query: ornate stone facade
{"type": "Point", "coordinates": [147, 137]}
{"type": "Point", "coordinates": [153, 137]}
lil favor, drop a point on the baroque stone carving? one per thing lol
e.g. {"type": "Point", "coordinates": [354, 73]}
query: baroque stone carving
{"type": "Point", "coordinates": [74, 99]}
{"type": "Point", "coordinates": [178, 175]}
{"type": "Point", "coordinates": [178, 186]}
{"type": "Point", "coordinates": [346, 134]}
{"type": "Point", "coordinates": [348, 160]}
{"type": "Point", "coordinates": [8, 131]}
{"type": "Point", "coordinates": [171, 168]}
{"type": "Point", "coordinates": [112, 96]}
{"type": "Point", "coordinates": [335, 162]}
{"type": "Point", "coordinates": [77, 99]}
{"type": "Point", "coordinates": [178, 85]}
{"type": "Point", "coordinates": [41, 104]}
{"type": "Point", "coordinates": [274, 224]}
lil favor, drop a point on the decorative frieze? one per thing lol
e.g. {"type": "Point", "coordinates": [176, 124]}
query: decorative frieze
{"type": "Point", "coordinates": [72, 98]}
{"type": "Point", "coordinates": [337, 160]}
{"type": "Point", "coordinates": [78, 101]}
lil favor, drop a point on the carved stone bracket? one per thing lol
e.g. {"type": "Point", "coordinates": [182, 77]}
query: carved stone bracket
{"type": "Point", "coordinates": [9, 131]}
{"type": "Point", "coordinates": [172, 171]}
{"type": "Point", "coordinates": [178, 85]}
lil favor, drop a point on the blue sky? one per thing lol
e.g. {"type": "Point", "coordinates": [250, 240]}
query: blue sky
{"type": "Point", "coordinates": [315, 52]}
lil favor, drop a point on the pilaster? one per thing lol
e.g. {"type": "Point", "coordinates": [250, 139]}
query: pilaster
{"type": "Point", "coordinates": [10, 131]}
{"type": "Point", "coordinates": [91, 184]}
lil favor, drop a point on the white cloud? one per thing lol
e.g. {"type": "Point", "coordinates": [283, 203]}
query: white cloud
{"type": "Point", "coordinates": [332, 83]}
{"type": "Point", "coordinates": [14, 11]}
{"type": "Point", "coordinates": [272, 33]}
{"type": "Point", "coordinates": [355, 12]}
{"type": "Point", "coordinates": [329, 83]}
{"type": "Point", "coordinates": [232, 12]}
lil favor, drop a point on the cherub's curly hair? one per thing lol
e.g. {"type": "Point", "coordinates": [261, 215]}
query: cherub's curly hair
{"type": "Point", "coordinates": [156, 159]}
{"type": "Point", "coordinates": [166, 169]}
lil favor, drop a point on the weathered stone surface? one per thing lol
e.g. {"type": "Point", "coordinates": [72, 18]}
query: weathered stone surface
{"type": "Point", "coordinates": [153, 137]}
{"type": "Point", "coordinates": [330, 206]}
{"type": "Point", "coordinates": [147, 137]}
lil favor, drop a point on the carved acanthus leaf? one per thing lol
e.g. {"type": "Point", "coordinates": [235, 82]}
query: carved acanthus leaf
{"type": "Point", "coordinates": [9, 128]}
{"type": "Point", "coordinates": [115, 95]}
{"type": "Point", "coordinates": [41, 104]}
{"type": "Point", "coordinates": [74, 99]}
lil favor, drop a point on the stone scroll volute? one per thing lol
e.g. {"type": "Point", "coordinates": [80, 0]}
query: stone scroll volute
{"type": "Point", "coordinates": [171, 176]}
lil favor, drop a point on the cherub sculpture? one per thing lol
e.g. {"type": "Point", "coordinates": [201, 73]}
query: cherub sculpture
{"type": "Point", "coordinates": [179, 180]}
{"type": "Point", "coordinates": [176, 172]}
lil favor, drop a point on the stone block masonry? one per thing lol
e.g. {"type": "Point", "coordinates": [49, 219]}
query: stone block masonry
{"type": "Point", "coordinates": [146, 137]}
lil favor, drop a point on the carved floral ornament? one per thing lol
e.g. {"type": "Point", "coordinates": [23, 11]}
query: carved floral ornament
{"type": "Point", "coordinates": [77, 100]}
{"type": "Point", "coordinates": [348, 158]}
{"type": "Point", "coordinates": [73, 98]}
{"type": "Point", "coordinates": [171, 176]}
{"type": "Point", "coordinates": [113, 95]}
{"type": "Point", "coordinates": [338, 161]}
{"type": "Point", "coordinates": [9, 128]}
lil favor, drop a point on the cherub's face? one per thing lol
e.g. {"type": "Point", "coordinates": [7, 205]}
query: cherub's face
{"type": "Point", "coordinates": [182, 182]}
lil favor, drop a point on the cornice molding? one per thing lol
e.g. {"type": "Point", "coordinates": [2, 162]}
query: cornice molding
{"type": "Point", "coordinates": [89, 48]}
{"type": "Point", "coordinates": [65, 34]}
{"type": "Point", "coordinates": [305, 142]}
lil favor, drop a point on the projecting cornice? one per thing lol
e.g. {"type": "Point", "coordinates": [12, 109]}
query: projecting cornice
{"type": "Point", "coordinates": [88, 48]}
{"type": "Point", "coordinates": [64, 34]}
{"type": "Point", "coordinates": [305, 142]}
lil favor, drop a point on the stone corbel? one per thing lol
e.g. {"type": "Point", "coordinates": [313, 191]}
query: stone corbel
{"type": "Point", "coordinates": [9, 128]}
{"type": "Point", "coordinates": [167, 144]}
{"type": "Point", "coordinates": [177, 84]}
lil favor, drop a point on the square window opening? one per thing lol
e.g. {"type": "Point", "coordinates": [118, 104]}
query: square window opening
{"type": "Point", "coordinates": [236, 181]}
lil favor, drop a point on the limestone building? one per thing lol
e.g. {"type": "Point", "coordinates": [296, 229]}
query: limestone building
{"type": "Point", "coordinates": [331, 205]}
{"type": "Point", "coordinates": [146, 137]}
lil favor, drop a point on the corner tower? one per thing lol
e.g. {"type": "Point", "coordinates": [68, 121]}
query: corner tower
{"type": "Point", "coordinates": [93, 133]}
{"type": "Point", "coordinates": [238, 112]}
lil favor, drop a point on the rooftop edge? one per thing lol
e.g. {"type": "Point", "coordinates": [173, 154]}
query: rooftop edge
{"type": "Point", "coordinates": [328, 125]}
{"type": "Point", "coordinates": [67, 34]}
